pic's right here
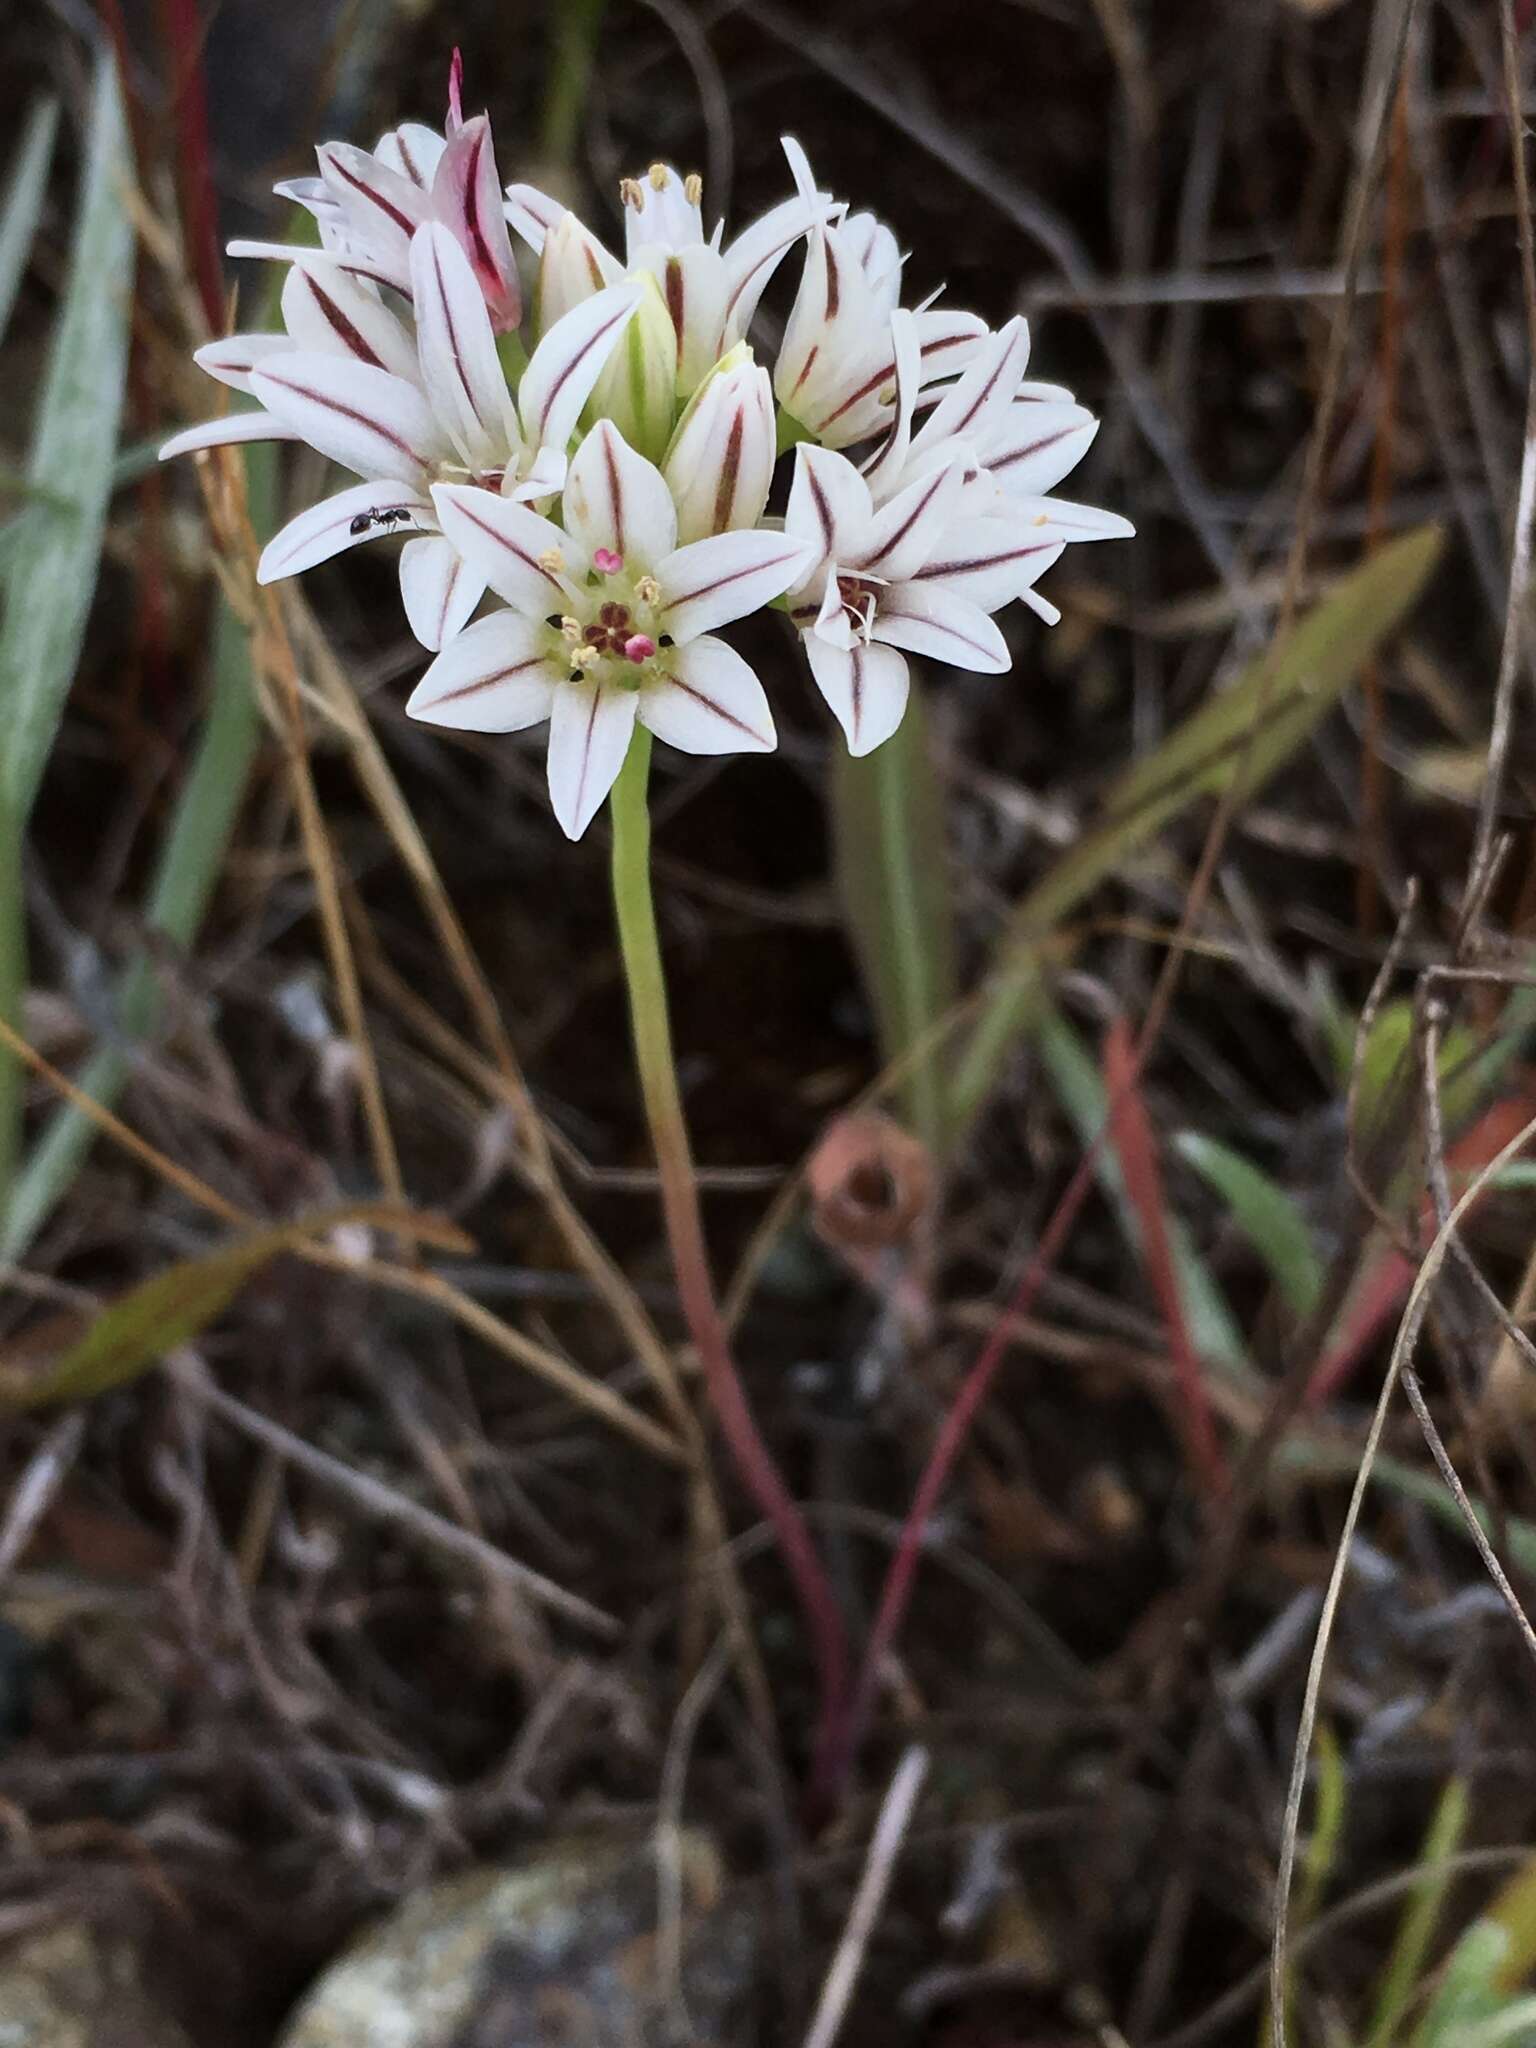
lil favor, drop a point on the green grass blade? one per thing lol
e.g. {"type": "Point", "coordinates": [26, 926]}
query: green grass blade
{"type": "Point", "coordinates": [1265, 1213]}
{"type": "Point", "coordinates": [50, 574]}
{"type": "Point", "coordinates": [1255, 726]}
{"type": "Point", "coordinates": [1410, 1952]}
{"type": "Point", "coordinates": [22, 205]}
{"type": "Point", "coordinates": [888, 831]}
{"type": "Point", "coordinates": [1075, 1079]}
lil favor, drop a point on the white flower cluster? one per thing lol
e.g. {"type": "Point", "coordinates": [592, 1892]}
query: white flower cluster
{"type": "Point", "coordinates": [610, 483]}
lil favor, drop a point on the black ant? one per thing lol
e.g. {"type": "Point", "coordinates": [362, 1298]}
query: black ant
{"type": "Point", "coordinates": [386, 516]}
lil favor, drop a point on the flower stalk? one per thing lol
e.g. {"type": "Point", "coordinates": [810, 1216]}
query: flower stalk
{"type": "Point", "coordinates": [650, 1024]}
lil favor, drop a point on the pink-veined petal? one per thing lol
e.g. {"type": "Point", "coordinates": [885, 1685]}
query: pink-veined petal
{"type": "Point", "coordinates": [512, 548]}
{"type": "Point", "coordinates": [834, 326]}
{"type": "Point", "coordinates": [1033, 446]}
{"type": "Point", "coordinates": [590, 729]}
{"type": "Point", "coordinates": [1073, 522]}
{"type": "Point", "coordinates": [332, 525]}
{"type": "Point", "coordinates": [694, 289]}
{"type": "Point", "coordinates": [465, 380]}
{"type": "Point", "coordinates": [758, 251]}
{"type": "Point", "coordinates": [976, 405]}
{"type": "Point", "coordinates": [467, 199]}
{"type": "Point", "coordinates": [927, 619]}
{"type": "Point", "coordinates": [948, 340]}
{"type": "Point", "coordinates": [710, 702]}
{"type": "Point", "coordinates": [496, 676]}
{"type": "Point", "coordinates": [568, 362]}
{"type": "Point", "coordinates": [832, 622]}
{"type": "Point", "coordinates": [615, 499]}
{"type": "Point", "coordinates": [363, 418]}
{"type": "Point", "coordinates": [884, 468]}
{"type": "Point", "coordinates": [438, 589]}
{"type": "Point", "coordinates": [710, 582]}
{"type": "Point", "coordinates": [327, 310]}
{"type": "Point", "coordinates": [906, 531]}
{"type": "Point", "coordinates": [394, 271]}
{"type": "Point", "coordinates": [232, 358]}
{"type": "Point", "coordinates": [573, 266]}
{"type": "Point", "coordinates": [865, 686]}
{"type": "Point", "coordinates": [226, 432]}
{"type": "Point", "coordinates": [990, 561]}
{"type": "Point", "coordinates": [383, 208]}
{"type": "Point", "coordinates": [413, 150]}
{"type": "Point", "coordinates": [830, 507]}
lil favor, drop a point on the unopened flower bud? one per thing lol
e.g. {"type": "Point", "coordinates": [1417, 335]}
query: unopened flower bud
{"type": "Point", "coordinates": [637, 389]}
{"type": "Point", "coordinates": [573, 266]}
{"type": "Point", "coordinates": [720, 464]}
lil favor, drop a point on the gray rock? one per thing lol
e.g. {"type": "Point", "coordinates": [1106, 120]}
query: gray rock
{"type": "Point", "coordinates": [561, 1948]}
{"type": "Point", "coordinates": [73, 1986]}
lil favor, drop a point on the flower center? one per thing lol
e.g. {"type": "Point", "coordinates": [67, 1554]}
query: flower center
{"type": "Point", "coordinates": [860, 598]}
{"type": "Point", "coordinates": [611, 634]}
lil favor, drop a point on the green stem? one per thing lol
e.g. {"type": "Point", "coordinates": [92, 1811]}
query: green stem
{"type": "Point", "coordinates": [646, 983]}
{"type": "Point", "coordinates": [574, 26]}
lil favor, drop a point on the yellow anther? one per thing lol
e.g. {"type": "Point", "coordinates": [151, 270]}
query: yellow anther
{"type": "Point", "coordinates": [583, 656]}
{"type": "Point", "coordinates": [887, 394]}
{"type": "Point", "coordinates": [553, 561]}
{"type": "Point", "coordinates": [659, 176]}
{"type": "Point", "coordinates": [647, 590]}
{"type": "Point", "coordinates": [570, 629]}
{"type": "Point", "coordinates": [693, 188]}
{"type": "Point", "coordinates": [630, 193]}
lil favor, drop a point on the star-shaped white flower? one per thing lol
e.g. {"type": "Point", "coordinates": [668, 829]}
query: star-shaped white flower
{"type": "Point", "coordinates": [405, 410]}
{"type": "Point", "coordinates": [608, 622]}
{"type": "Point", "coordinates": [916, 574]}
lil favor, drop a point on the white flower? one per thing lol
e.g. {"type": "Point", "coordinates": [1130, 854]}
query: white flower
{"type": "Point", "coordinates": [407, 410]}
{"type": "Point", "coordinates": [369, 204]}
{"type": "Point", "coordinates": [917, 573]}
{"type": "Point", "coordinates": [1016, 440]}
{"type": "Point", "coordinates": [609, 622]}
{"type": "Point", "coordinates": [836, 372]}
{"type": "Point", "coordinates": [720, 464]}
{"type": "Point", "coordinates": [710, 293]}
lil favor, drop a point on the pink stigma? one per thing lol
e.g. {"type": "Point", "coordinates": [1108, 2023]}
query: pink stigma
{"type": "Point", "coordinates": [639, 647]}
{"type": "Point", "coordinates": [607, 561]}
{"type": "Point", "coordinates": [456, 89]}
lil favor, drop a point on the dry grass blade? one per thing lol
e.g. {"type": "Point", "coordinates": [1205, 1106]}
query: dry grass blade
{"type": "Point", "coordinates": [879, 1868]}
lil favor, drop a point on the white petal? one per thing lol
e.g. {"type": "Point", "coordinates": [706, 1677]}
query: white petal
{"type": "Point", "coordinates": [394, 271]}
{"type": "Point", "coordinates": [383, 208]}
{"type": "Point", "coordinates": [1074, 522]}
{"type": "Point", "coordinates": [465, 380]}
{"type": "Point", "coordinates": [573, 266]}
{"type": "Point", "coordinates": [568, 362]}
{"type": "Point", "coordinates": [710, 582]}
{"type": "Point", "coordinates": [233, 358]}
{"type": "Point", "coordinates": [225, 432]}
{"type": "Point", "coordinates": [948, 340]}
{"type": "Point", "coordinates": [438, 589]}
{"type": "Point", "coordinates": [503, 542]}
{"type": "Point", "coordinates": [927, 619]}
{"type": "Point", "coordinates": [883, 471]}
{"type": "Point", "coordinates": [710, 703]}
{"type": "Point", "coordinates": [413, 150]}
{"type": "Point", "coordinates": [545, 478]}
{"type": "Point", "coordinates": [830, 508]}
{"type": "Point", "coordinates": [1033, 446]}
{"type": "Point", "coordinates": [990, 561]}
{"type": "Point", "coordinates": [659, 214]}
{"type": "Point", "coordinates": [757, 253]}
{"type": "Point", "coordinates": [327, 528]}
{"type": "Point", "coordinates": [695, 289]}
{"type": "Point", "coordinates": [878, 254]}
{"type": "Point", "coordinates": [834, 623]}
{"type": "Point", "coordinates": [532, 213]}
{"type": "Point", "coordinates": [590, 729]}
{"type": "Point", "coordinates": [615, 499]}
{"type": "Point", "coordinates": [866, 688]}
{"type": "Point", "coordinates": [495, 677]}
{"type": "Point", "coordinates": [363, 418]}
{"type": "Point", "coordinates": [977, 404]}
{"type": "Point", "coordinates": [328, 310]}
{"type": "Point", "coordinates": [905, 532]}
{"type": "Point", "coordinates": [833, 326]}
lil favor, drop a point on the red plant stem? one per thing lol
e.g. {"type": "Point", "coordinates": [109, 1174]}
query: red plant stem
{"type": "Point", "coordinates": [1136, 1148]}
{"type": "Point", "coordinates": [657, 1068]}
{"type": "Point", "coordinates": [181, 32]}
